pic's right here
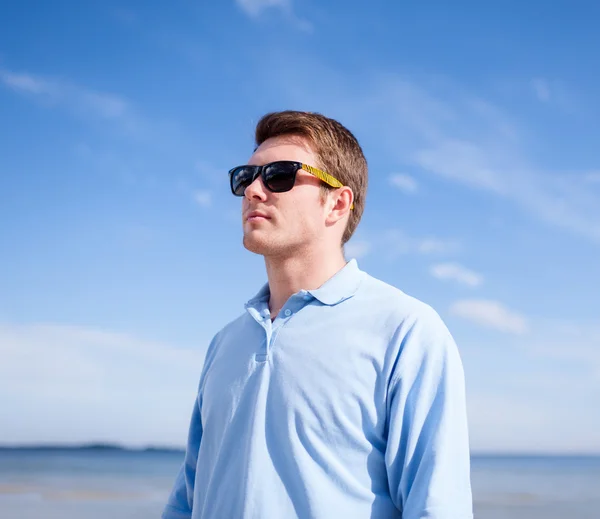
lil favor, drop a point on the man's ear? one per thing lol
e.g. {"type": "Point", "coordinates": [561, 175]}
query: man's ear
{"type": "Point", "coordinates": [342, 200]}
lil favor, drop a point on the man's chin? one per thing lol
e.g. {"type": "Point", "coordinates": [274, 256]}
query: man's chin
{"type": "Point", "coordinates": [256, 245]}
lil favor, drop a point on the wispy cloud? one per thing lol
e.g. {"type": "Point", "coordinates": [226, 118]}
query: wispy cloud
{"type": "Point", "coordinates": [541, 88]}
{"type": "Point", "coordinates": [80, 100]}
{"type": "Point", "coordinates": [435, 246]}
{"type": "Point", "coordinates": [210, 173]}
{"type": "Point", "coordinates": [452, 133]}
{"type": "Point", "coordinates": [404, 183]}
{"type": "Point", "coordinates": [393, 243]}
{"type": "Point", "coordinates": [566, 340]}
{"type": "Point", "coordinates": [255, 7]}
{"type": "Point", "coordinates": [496, 164]}
{"type": "Point", "coordinates": [456, 272]}
{"type": "Point", "coordinates": [555, 93]}
{"type": "Point", "coordinates": [462, 161]}
{"type": "Point", "coordinates": [490, 314]}
{"type": "Point", "coordinates": [522, 422]}
{"type": "Point", "coordinates": [26, 83]}
{"type": "Point", "coordinates": [203, 197]}
{"type": "Point", "coordinates": [593, 177]}
{"type": "Point", "coordinates": [112, 382]}
{"type": "Point", "coordinates": [545, 405]}
{"type": "Point", "coordinates": [397, 243]}
{"type": "Point", "coordinates": [502, 423]}
{"type": "Point", "coordinates": [357, 249]}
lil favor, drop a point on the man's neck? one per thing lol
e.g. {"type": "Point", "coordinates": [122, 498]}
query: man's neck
{"type": "Point", "coordinates": [300, 272]}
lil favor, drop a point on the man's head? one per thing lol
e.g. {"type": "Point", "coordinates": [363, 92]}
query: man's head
{"type": "Point", "coordinates": [313, 212]}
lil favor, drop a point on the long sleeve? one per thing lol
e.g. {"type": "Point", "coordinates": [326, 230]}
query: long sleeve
{"type": "Point", "coordinates": [180, 502]}
{"type": "Point", "coordinates": [427, 456]}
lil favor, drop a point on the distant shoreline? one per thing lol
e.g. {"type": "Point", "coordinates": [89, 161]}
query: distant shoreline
{"type": "Point", "coordinates": [101, 447]}
{"type": "Point", "coordinates": [110, 447]}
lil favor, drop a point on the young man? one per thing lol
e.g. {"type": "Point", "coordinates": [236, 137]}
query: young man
{"type": "Point", "coordinates": [333, 394]}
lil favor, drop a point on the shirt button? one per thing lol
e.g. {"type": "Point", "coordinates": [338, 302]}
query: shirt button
{"type": "Point", "coordinates": [288, 312]}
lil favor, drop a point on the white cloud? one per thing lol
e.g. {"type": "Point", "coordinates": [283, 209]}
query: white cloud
{"type": "Point", "coordinates": [461, 161]}
{"type": "Point", "coordinates": [556, 93]}
{"type": "Point", "coordinates": [203, 197]}
{"type": "Point", "coordinates": [120, 388]}
{"type": "Point", "coordinates": [530, 421]}
{"type": "Point", "coordinates": [404, 183]}
{"type": "Point", "coordinates": [474, 143]}
{"type": "Point", "coordinates": [255, 7]}
{"type": "Point", "coordinates": [546, 404]}
{"type": "Point", "coordinates": [457, 273]}
{"type": "Point", "coordinates": [593, 177]}
{"type": "Point", "coordinates": [552, 198]}
{"type": "Point", "coordinates": [436, 246]}
{"type": "Point", "coordinates": [500, 423]}
{"type": "Point", "coordinates": [396, 242]}
{"type": "Point", "coordinates": [208, 170]}
{"type": "Point", "coordinates": [79, 99]}
{"type": "Point", "coordinates": [357, 249]}
{"type": "Point", "coordinates": [541, 88]}
{"type": "Point", "coordinates": [449, 132]}
{"type": "Point", "coordinates": [106, 105]}
{"type": "Point", "coordinates": [577, 342]}
{"type": "Point", "coordinates": [490, 314]}
{"type": "Point", "coordinates": [25, 83]}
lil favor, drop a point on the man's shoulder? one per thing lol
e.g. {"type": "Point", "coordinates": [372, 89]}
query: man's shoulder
{"type": "Point", "coordinates": [383, 297]}
{"type": "Point", "coordinates": [414, 326]}
{"type": "Point", "coordinates": [237, 324]}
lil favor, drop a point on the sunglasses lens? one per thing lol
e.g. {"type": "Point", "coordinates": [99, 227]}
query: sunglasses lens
{"type": "Point", "coordinates": [241, 178]}
{"type": "Point", "coordinates": [280, 176]}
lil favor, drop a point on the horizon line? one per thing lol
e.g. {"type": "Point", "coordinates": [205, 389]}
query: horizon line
{"type": "Point", "coordinates": [158, 447]}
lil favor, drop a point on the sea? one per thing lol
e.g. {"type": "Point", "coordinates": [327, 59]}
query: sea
{"type": "Point", "coordinates": [94, 483]}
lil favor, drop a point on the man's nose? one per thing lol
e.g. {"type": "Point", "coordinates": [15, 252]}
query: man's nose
{"type": "Point", "coordinates": [256, 190]}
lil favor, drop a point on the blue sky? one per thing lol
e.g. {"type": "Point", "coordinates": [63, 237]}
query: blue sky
{"type": "Point", "coordinates": [122, 250]}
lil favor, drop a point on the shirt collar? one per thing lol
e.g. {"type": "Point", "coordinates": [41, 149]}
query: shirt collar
{"type": "Point", "coordinates": [262, 295]}
{"type": "Point", "coordinates": [341, 286]}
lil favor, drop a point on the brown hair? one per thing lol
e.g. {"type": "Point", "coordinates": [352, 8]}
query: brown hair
{"type": "Point", "coordinates": [337, 150]}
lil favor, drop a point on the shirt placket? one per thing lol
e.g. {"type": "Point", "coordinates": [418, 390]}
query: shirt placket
{"type": "Point", "coordinates": [272, 328]}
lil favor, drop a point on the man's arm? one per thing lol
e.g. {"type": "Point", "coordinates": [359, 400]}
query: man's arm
{"type": "Point", "coordinates": [179, 505]}
{"type": "Point", "coordinates": [181, 499]}
{"type": "Point", "coordinates": [427, 455]}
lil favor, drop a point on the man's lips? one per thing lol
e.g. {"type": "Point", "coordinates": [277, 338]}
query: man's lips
{"type": "Point", "coordinates": [254, 216]}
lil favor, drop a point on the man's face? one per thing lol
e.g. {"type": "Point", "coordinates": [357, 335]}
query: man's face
{"type": "Point", "coordinates": [283, 224]}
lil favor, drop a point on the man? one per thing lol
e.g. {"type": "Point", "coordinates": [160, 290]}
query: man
{"type": "Point", "coordinates": [333, 394]}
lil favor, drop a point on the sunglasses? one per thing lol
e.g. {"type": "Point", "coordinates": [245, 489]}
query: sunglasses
{"type": "Point", "coordinates": [278, 177]}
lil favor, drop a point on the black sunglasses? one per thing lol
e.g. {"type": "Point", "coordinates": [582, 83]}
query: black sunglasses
{"type": "Point", "coordinates": [278, 177]}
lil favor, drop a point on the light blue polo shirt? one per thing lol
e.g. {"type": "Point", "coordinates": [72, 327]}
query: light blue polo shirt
{"type": "Point", "coordinates": [350, 404]}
